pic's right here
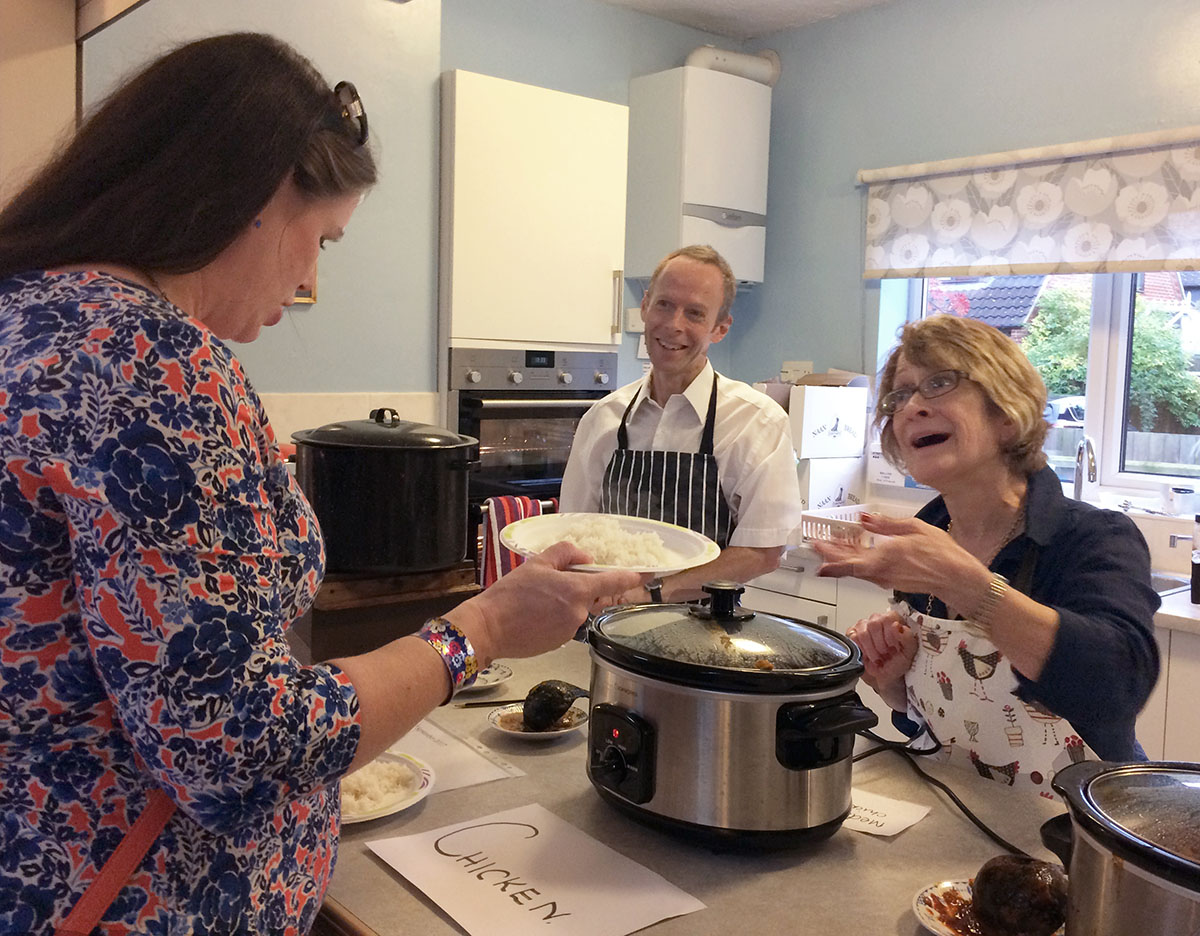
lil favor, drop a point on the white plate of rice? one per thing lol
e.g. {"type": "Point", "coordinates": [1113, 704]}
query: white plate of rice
{"type": "Point", "coordinates": [614, 541]}
{"type": "Point", "coordinates": [387, 785]}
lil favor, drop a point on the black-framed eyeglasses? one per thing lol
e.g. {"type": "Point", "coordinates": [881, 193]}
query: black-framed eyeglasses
{"type": "Point", "coordinates": [352, 108]}
{"type": "Point", "coordinates": [935, 385]}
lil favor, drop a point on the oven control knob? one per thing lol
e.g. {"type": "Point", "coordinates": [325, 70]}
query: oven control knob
{"type": "Point", "coordinates": [473, 376]}
{"type": "Point", "coordinates": [566, 378]}
{"type": "Point", "coordinates": [611, 769]}
{"type": "Point", "coordinates": [601, 377]}
{"type": "Point", "coordinates": [516, 376]}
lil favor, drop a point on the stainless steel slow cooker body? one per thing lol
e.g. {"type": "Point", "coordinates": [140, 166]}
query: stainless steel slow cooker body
{"type": "Point", "coordinates": [1134, 863]}
{"type": "Point", "coordinates": [728, 725]}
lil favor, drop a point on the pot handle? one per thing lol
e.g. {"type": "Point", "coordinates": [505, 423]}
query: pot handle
{"type": "Point", "coordinates": [815, 734]}
{"type": "Point", "coordinates": [1057, 837]}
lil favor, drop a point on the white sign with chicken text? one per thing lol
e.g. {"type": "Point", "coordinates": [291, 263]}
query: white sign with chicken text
{"type": "Point", "coordinates": [882, 815]}
{"type": "Point", "coordinates": [525, 870]}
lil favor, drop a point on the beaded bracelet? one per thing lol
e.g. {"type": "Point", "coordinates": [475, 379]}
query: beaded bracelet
{"type": "Point", "coordinates": [456, 650]}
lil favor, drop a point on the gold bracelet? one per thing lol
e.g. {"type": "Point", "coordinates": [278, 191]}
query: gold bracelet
{"type": "Point", "coordinates": [980, 623]}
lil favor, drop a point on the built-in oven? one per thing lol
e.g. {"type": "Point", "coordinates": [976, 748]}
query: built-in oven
{"type": "Point", "coordinates": [523, 406]}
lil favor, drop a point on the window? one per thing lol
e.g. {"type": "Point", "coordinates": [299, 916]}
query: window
{"type": "Point", "coordinates": [1120, 355]}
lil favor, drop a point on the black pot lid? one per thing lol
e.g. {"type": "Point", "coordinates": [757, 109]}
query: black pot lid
{"type": "Point", "coordinates": [724, 647]}
{"type": "Point", "coordinates": [383, 429]}
{"type": "Point", "coordinates": [1149, 813]}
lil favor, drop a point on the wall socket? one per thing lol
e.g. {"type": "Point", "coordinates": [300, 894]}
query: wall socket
{"type": "Point", "coordinates": [792, 371]}
{"type": "Point", "coordinates": [633, 320]}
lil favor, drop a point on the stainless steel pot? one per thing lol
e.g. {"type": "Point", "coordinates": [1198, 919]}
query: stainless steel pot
{"type": "Point", "coordinates": [391, 495]}
{"type": "Point", "coordinates": [724, 724]}
{"type": "Point", "coordinates": [1134, 857]}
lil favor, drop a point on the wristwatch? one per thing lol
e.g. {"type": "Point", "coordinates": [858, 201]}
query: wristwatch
{"type": "Point", "coordinates": [654, 587]}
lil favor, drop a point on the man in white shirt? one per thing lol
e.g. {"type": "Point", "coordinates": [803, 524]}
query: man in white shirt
{"type": "Point", "coordinates": [686, 445]}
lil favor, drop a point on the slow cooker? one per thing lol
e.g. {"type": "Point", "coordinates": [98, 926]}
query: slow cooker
{"type": "Point", "coordinates": [390, 494]}
{"type": "Point", "coordinates": [724, 724]}
{"type": "Point", "coordinates": [1134, 856]}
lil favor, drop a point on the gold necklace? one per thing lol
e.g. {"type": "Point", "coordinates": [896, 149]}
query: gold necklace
{"type": "Point", "coordinates": [1018, 526]}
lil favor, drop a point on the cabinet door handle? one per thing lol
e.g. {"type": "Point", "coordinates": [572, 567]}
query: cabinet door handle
{"type": "Point", "coordinates": [822, 620]}
{"type": "Point", "coordinates": [618, 295]}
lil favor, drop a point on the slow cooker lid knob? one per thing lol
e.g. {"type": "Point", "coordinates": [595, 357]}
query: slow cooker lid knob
{"type": "Point", "coordinates": [725, 607]}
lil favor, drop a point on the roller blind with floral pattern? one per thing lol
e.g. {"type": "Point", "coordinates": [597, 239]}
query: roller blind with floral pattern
{"type": "Point", "coordinates": [1122, 204]}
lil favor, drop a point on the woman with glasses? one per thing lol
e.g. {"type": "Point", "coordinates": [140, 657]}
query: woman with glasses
{"type": "Point", "coordinates": [166, 765]}
{"type": "Point", "coordinates": [1022, 631]}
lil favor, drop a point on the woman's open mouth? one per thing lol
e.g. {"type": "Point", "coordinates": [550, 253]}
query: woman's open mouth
{"type": "Point", "coordinates": [934, 438]}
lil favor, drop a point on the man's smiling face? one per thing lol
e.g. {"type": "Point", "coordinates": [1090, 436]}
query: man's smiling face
{"type": "Point", "coordinates": [680, 314]}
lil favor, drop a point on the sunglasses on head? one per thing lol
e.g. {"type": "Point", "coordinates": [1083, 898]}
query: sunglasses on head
{"type": "Point", "coordinates": [352, 108]}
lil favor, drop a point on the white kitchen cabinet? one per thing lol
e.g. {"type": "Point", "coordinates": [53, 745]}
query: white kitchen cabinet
{"type": "Point", "coordinates": [1181, 738]}
{"type": "Point", "coordinates": [533, 214]}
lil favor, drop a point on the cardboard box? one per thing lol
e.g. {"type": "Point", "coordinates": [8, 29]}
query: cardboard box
{"type": "Point", "coordinates": [831, 482]}
{"type": "Point", "coordinates": [828, 422]}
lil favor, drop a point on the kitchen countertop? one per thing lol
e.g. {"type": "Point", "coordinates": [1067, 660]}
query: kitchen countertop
{"type": "Point", "coordinates": [850, 884]}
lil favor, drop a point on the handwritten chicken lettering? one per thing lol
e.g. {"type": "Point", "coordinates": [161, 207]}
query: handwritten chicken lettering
{"type": "Point", "coordinates": [483, 868]}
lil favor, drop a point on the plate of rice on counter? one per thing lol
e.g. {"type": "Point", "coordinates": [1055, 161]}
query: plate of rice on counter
{"type": "Point", "coordinates": [387, 785]}
{"type": "Point", "coordinates": [614, 541]}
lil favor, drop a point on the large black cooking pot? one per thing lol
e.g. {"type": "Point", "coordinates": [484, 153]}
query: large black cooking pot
{"type": "Point", "coordinates": [391, 495]}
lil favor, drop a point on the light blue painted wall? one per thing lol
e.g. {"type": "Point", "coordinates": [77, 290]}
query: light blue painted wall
{"type": "Point", "coordinates": [919, 80]}
{"type": "Point", "coordinates": [374, 326]}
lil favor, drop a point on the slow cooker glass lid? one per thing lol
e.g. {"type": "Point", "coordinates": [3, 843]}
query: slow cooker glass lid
{"type": "Point", "coordinates": [762, 643]}
{"type": "Point", "coordinates": [1160, 806]}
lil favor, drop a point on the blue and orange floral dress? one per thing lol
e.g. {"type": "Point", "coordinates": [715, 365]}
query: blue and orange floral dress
{"type": "Point", "coordinates": [153, 551]}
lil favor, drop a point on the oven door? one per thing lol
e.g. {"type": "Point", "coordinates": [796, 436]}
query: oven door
{"type": "Point", "coordinates": [524, 438]}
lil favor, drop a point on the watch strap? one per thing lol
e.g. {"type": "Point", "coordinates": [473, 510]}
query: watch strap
{"type": "Point", "coordinates": [654, 587]}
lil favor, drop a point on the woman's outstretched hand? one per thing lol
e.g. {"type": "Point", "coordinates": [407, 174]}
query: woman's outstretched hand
{"type": "Point", "coordinates": [909, 555]}
{"type": "Point", "coordinates": [539, 605]}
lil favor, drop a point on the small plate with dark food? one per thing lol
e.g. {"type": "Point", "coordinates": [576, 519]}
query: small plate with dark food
{"type": "Point", "coordinates": [494, 675]}
{"type": "Point", "coordinates": [511, 720]}
{"type": "Point", "coordinates": [1010, 896]}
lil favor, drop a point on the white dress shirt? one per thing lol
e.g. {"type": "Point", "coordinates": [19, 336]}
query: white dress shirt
{"type": "Point", "coordinates": [752, 443]}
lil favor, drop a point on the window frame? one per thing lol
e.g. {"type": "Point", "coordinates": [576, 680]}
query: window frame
{"type": "Point", "coordinates": [1109, 350]}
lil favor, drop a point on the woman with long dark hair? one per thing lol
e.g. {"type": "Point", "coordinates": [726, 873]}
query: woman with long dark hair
{"type": "Point", "coordinates": [166, 766]}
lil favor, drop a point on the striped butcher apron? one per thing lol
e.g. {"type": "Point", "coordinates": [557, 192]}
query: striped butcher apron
{"type": "Point", "coordinates": [964, 689]}
{"type": "Point", "coordinates": [683, 488]}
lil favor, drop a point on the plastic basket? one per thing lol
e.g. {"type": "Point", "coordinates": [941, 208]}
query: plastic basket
{"type": "Point", "coordinates": [836, 524]}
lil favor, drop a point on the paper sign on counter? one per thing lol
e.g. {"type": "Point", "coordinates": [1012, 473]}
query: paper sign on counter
{"type": "Point", "coordinates": [525, 870]}
{"type": "Point", "coordinates": [882, 815]}
{"type": "Point", "coordinates": [458, 762]}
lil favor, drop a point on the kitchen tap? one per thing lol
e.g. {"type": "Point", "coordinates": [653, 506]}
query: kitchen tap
{"type": "Point", "coordinates": [1085, 448]}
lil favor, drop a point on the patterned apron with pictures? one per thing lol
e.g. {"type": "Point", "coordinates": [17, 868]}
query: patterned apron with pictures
{"type": "Point", "coordinates": [964, 689]}
{"type": "Point", "coordinates": [683, 488]}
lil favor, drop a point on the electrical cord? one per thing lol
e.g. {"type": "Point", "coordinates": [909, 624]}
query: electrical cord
{"type": "Point", "coordinates": [906, 751]}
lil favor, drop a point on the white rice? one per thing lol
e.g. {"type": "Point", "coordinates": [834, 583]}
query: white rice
{"type": "Point", "coordinates": [604, 540]}
{"type": "Point", "coordinates": [376, 785]}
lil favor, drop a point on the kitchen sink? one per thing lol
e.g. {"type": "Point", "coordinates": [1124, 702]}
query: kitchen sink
{"type": "Point", "coordinates": [1167, 584]}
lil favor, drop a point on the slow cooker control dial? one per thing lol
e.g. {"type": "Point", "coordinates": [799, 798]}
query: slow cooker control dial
{"type": "Point", "coordinates": [612, 767]}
